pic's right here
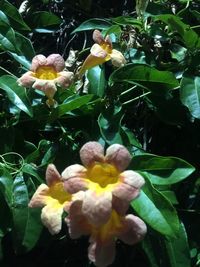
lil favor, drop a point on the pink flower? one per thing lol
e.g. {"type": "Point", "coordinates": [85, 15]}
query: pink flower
{"type": "Point", "coordinates": [45, 74]}
{"type": "Point", "coordinates": [53, 198]}
{"type": "Point", "coordinates": [106, 184]}
{"type": "Point", "coordinates": [128, 228]}
{"type": "Point", "coordinates": [101, 52]}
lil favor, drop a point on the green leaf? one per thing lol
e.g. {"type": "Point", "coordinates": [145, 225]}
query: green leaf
{"type": "Point", "coordinates": [70, 105]}
{"type": "Point", "coordinates": [189, 37]}
{"type": "Point", "coordinates": [14, 16]}
{"type": "Point", "coordinates": [97, 82]}
{"type": "Point", "coordinates": [41, 19]}
{"type": "Point", "coordinates": [93, 24]}
{"type": "Point", "coordinates": [16, 94]}
{"type": "Point", "coordinates": [178, 249]}
{"type": "Point", "coordinates": [150, 77]}
{"type": "Point", "coordinates": [156, 210]}
{"type": "Point", "coordinates": [6, 183]}
{"type": "Point", "coordinates": [109, 123]}
{"type": "Point", "coordinates": [26, 222]}
{"type": "Point", "coordinates": [32, 170]}
{"type": "Point", "coordinates": [162, 170]}
{"type": "Point", "coordinates": [127, 20]}
{"type": "Point", "coordinates": [190, 94]}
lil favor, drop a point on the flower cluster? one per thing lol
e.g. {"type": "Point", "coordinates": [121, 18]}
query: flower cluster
{"type": "Point", "coordinates": [45, 73]}
{"type": "Point", "coordinates": [96, 196]}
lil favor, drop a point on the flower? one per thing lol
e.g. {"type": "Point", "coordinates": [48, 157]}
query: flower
{"type": "Point", "coordinates": [45, 73]}
{"type": "Point", "coordinates": [101, 52]}
{"type": "Point", "coordinates": [53, 198]}
{"type": "Point", "coordinates": [128, 228]}
{"type": "Point", "coordinates": [107, 186]}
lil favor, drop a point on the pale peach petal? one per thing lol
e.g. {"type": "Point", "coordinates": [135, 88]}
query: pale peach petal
{"type": "Point", "coordinates": [108, 41]}
{"type": "Point", "coordinates": [97, 51]}
{"type": "Point", "coordinates": [51, 217]}
{"type": "Point", "coordinates": [134, 230]}
{"type": "Point", "coordinates": [56, 61]}
{"type": "Point", "coordinates": [65, 78]}
{"type": "Point", "coordinates": [125, 192]}
{"type": "Point", "coordinates": [97, 37]}
{"type": "Point", "coordinates": [101, 254]}
{"type": "Point", "coordinates": [97, 208]}
{"type": "Point", "coordinates": [27, 79]}
{"type": "Point", "coordinates": [91, 152]}
{"type": "Point", "coordinates": [47, 86]}
{"type": "Point", "coordinates": [38, 61]}
{"type": "Point", "coordinates": [52, 175]}
{"type": "Point", "coordinates": [117, 58]}
{"type": "Point", "coordinates": [118, 155]}
{"type": "Point", "coordinates": [76, 221]}
{"type": "Point", "coordinates": [75, 185]}
{"type": "Point", "coordinates": [40, 197]}
{"type": "Point", "coordinates": [119, 205]}
{"type": "Point", "coordinates": [132, 178]}
{"type": "Point", "coordinates": [74, 171]}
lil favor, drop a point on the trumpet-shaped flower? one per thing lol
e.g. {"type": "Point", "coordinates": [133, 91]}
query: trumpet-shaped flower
{"type": "Point", "coordinates": [101, 52]}
{"type": "Point", "coordinates": [128, 228]}
{"type": "Point", "coordinates": [52, 198]}
{"type": "Point", "coordinates": [45, 73]}
{"type": "Point", "coordinates": [106, 183]}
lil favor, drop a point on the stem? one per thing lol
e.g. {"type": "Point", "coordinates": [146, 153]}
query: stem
{"type": "Point", "coordinates": [8, 71]}
{"type": "Point", "coordinates": [136, 98]}
{"type": "Point", "coordinates": [128, 90]}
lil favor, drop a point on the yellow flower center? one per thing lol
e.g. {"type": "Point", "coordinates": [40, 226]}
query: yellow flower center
{"type": "Point", "coordinates": [58, 193]}
{"type": "Point", "coordinates": [102, 177]}
{"type": "Point", "coordinates": [106, 47]}
{"type": "Point", "coordinates": [110, 229]}
{"type": "Point", "coordinates": [46, 73]}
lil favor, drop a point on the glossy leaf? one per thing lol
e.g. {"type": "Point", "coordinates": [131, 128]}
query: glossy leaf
{"type": "Point", "coordinates": [189, 37]}
{"type": "Point", "coordinates": [190, 94]}
{"type": "Point", "coordinates": [16, 94]}
{"type": "Point", "coordinates": [93, 24]}
{"type": "Point", "coordinates": [71, 104]}
{"type": "Point", "coordinates": [14, 16]}
{"type": "Point", "coordinates": [26, 222]}
{"type": "Point", "coordinates": [162, 170]}
{"type": "Point", "coordinates": [6, 183]}
{"type": "Point", "coordinates": [149, 76]}
{"type": "Point", "coordinates": [97, 82]}
{"type": "Point", "coordinates": [41, 19]}
{"type": "Point", "coordinates": [156, 210]}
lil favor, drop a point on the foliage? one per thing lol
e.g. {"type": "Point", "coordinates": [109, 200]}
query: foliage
{"type": "Point", "coordinates": [151, 105]}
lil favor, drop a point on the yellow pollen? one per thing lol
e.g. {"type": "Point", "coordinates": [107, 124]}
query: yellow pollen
{"type": "Point", "coordinates": [46, 73]}
{"type": "Point", "coordinates": [57, 192]}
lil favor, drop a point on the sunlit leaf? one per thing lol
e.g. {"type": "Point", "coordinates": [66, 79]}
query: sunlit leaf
{"type": "Point", "coordinates": [16, 94]}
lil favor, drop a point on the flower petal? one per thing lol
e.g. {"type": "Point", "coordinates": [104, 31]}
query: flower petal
{"type": "Point", "coordinates": [65, 78]}
{"type": "Point", "coordinates": [132, 178]}
{"type": "Point", "coordinates": [97, 51]}
{"type": "Point", "coordinates": [27, 79]}
{"type": "Point", "coordinates": [118, 155]}
{"type": "Point", "coordinates": [90, 62]}
{"type": "Point", "coordinates": [101, 254]}
{"type": "Point", "coordinates": [91, 152]}
{"type": "Point", "coordinates": [40, 197]}
{"type": "Point", "coordinates": [52, 175]}
{"type": "Point", "coordinates": [117, 58]}
{"type": "Point", "coordinates": [51, 217]}
{"type": "Point", "coordinates": [125, 192]}
{"type": "Point", "coordinates": [135, 230]}
{"type": "Point", "coordinates": [47, 86]}
{"type": "Point", "coordinates": [57, 61]}
{"type": "Point", "coordinates": [38, 61]}
{"type": "Point", "coordinates": [97, 208]}
{"type": "Point", "coordinates": [76, 221]}
{"type": "Point", "coordinates": [97, 37]}
{"type": "Point", "coordinates": [119, 205]}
